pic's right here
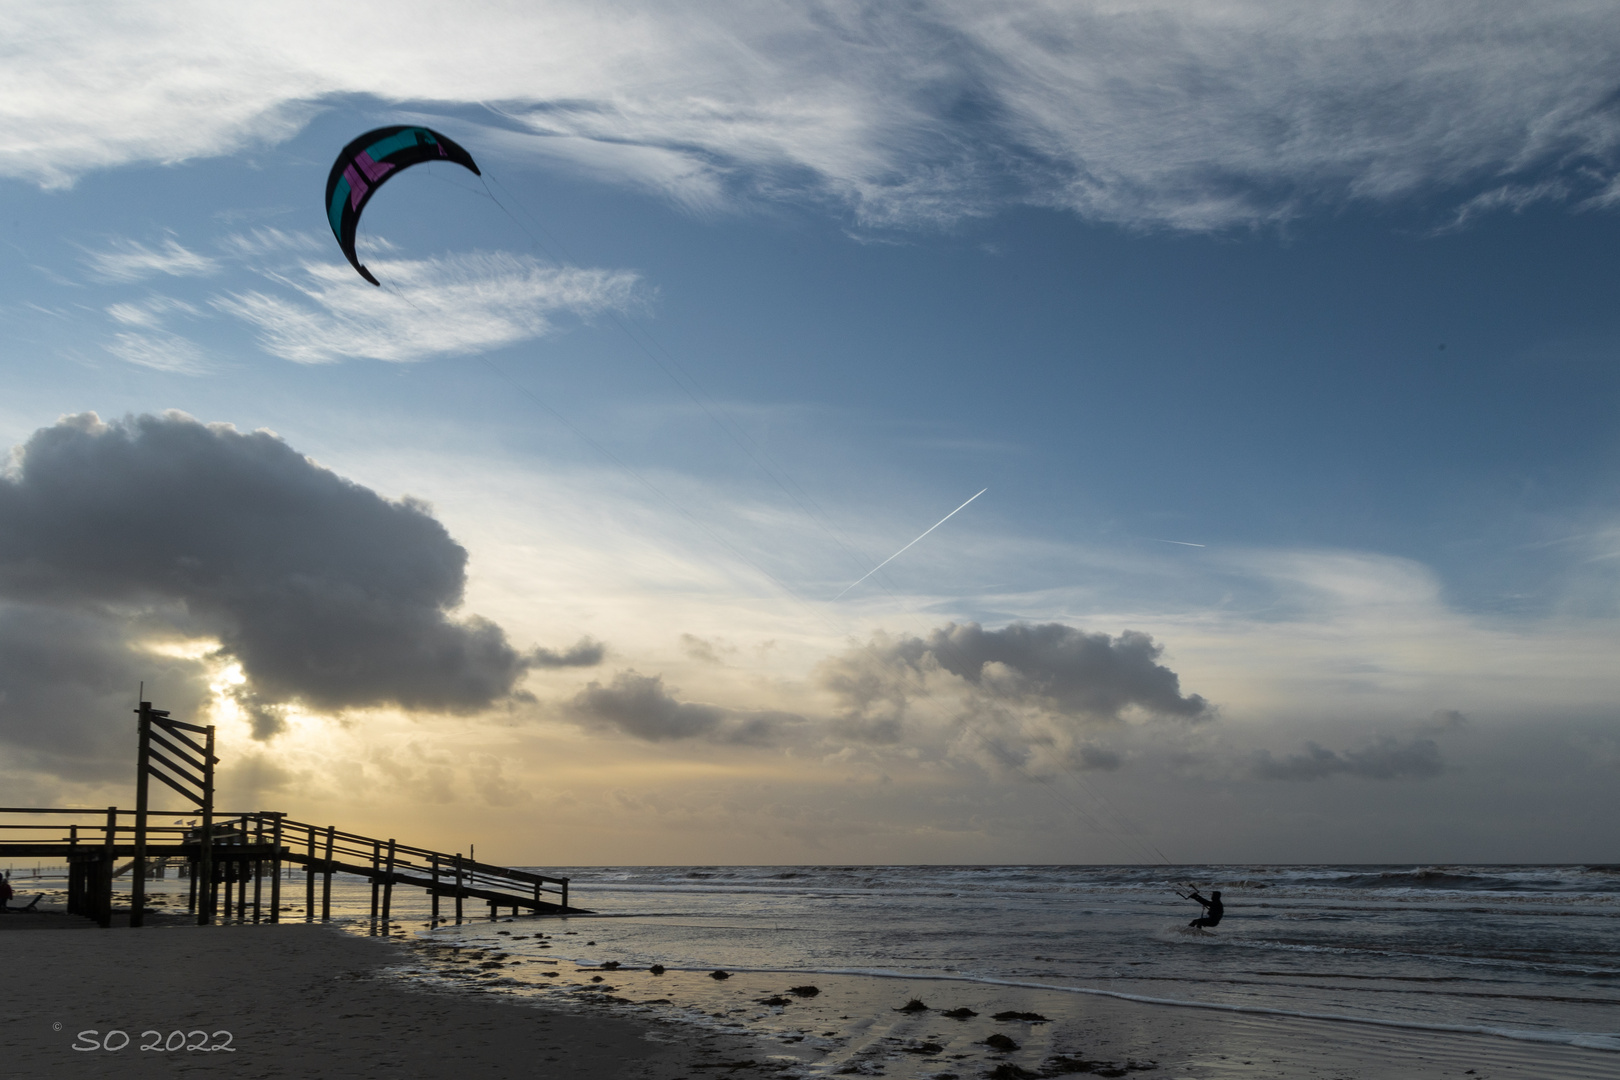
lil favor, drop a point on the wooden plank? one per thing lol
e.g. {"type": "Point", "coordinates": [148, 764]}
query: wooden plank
{"type": "Point", "coordinates": [179, 753]}
{"type": "Point", "coordinates": [181, 724]}
{"type": "Point", "coordinates": [179, 772]}
{"type": "Point", "coordinates": [176, 786]}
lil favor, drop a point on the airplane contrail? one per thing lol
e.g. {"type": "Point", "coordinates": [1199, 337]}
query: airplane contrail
{"type": "Point", "coordinates": [1183, 543]}
{"type": "Point", "coordinates": [902, 551]}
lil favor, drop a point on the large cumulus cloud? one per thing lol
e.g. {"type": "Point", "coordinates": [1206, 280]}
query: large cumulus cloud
{"type": "Point", "coordinates": [1068, 671]}
{"type": "Point", "coordinates": [1028, 695]}
{"type": "Point", "coordinates": [115, 536]}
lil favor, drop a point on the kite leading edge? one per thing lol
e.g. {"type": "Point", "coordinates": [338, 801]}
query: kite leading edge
{"type": "Point", "coordinates": [367, 163]}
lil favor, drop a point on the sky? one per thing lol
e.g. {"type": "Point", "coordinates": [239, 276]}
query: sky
{"type": "Point", "coordinates": [1282, 340]}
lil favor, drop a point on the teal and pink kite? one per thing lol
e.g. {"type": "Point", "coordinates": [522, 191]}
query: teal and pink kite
{"type": "Point", "coordinates": [367, 163]}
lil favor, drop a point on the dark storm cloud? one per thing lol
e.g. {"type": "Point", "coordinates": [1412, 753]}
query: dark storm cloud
{"type": "Point", "coordinates": [325, 592]}
{"type": "Point", "coordinates": [1056, 667]}
{"type": "Point", "coordinates": [639, 705]}
{"type": "Point", "coordinates": [1385, 759]}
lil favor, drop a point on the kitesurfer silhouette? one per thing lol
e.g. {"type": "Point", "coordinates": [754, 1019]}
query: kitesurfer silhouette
{"type": "Point", "coordinates": [1213, 909]}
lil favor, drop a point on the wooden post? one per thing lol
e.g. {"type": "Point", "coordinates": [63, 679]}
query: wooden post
{"type": "Point", "coordinates": [258, 868]}
{"type": "Point", "coordinates": [191, 894]}
{"type": "Point", "coordinates": [137, 877]}
{"type": "Point", "coordinates": [75, 886]}
{"type": "Point", "coordinates": [104, 882]}
{"type": "Point", "coordinates": [458, 888]}
{"type": "Point", "coordinates": [275, 871]}
{"type": "Point", "coordinates": [376, 857]}
{"type": "Point", "coordinates": [309, 880]}
{"type": "Point", "coordinates": [565, 895]}
{"type": "Point", "coordinates": [205, 859]}
{"type": "Point", "coordinates": [434, 892]}
{"type": "Point", "coordinates": [326, 885]}
{"type": "Point", "coordinates": [242, 866]}
{"type": "Point", "coordinates": [388, 886]}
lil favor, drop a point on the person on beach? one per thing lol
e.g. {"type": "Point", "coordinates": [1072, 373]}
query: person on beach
{"type": "Point", "coordinates": [1213, 909]}
{"type": "Point", "coordinates": [6, 893]}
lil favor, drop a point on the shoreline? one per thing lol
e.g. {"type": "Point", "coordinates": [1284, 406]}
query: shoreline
{"type": "Point", "coordinates": [857, 1023]}
{"type": "Point", "coordinates": [302, 999]}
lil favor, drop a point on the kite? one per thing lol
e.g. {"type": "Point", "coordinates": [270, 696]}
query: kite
{"type": "Point", "coordinates": [367, 163]}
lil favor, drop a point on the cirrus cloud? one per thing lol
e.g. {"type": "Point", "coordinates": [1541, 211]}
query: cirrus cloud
{"type": "Point", "coordinates": [431, 307]}
{"type": "Point", "coordinates": [1143, 113]}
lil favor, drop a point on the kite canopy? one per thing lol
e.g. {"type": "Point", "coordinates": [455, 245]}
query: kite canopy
{"type": "Point", "coordinates": [367, 163]}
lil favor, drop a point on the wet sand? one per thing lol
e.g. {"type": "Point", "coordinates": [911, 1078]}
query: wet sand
{"type": "Point", "coordinates": [859, 1026]}
{"type": "Point", "coordinates": [299, 1000]}
{"type": "Point", "coordinates": [294, 1001]}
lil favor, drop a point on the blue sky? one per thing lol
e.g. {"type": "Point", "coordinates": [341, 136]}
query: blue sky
{"type": "Point", "coordinates": [749, 302]}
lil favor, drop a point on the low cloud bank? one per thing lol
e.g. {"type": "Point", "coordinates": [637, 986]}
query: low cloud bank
{"type": "Point", "coordinates": [639, 705]}
{"type": "Point", "coordinates": [1386, 759]}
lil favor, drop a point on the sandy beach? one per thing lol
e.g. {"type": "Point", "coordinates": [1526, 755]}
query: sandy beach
{"type": "Point", "coordinates": [302, 1000]}
{"type": "Point", "coordinates": [296, 1001]}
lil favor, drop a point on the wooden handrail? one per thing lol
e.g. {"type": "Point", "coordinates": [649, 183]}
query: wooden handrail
{"type": "Point", "coordinates": [232, 837]}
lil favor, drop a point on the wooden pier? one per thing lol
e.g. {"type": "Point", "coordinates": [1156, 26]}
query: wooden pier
{"type": "Point", "coordinates": [245, 879]}
{"type": "Point", "coordinates": [234, 859]}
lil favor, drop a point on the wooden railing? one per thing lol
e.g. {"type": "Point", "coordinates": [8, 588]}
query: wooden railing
{"type": "Point", "coordinates": [388, 862]}
{"type": "Point", "coordinates": [246, 844]}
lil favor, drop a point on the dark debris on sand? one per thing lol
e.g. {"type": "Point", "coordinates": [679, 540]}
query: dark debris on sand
{"type": "Point", "coordinates": [804, 991]}
{"type": "Point", "coordinates": [1006, 1071]}
{"type": "Point", "coordinates": [923, 1048]}
{"type": "Point", "coordinates": [960, 1014]}
{"type": "Point", "coordinates": [912, 1006]}
{"type": "Point", "coordinates": [1000, 1042]}
{"type": "Point", "coordinates": [1026, 1017]}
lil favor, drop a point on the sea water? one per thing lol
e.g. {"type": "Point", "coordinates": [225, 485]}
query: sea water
{"type": "Point", "coordinates": [1527, 953]}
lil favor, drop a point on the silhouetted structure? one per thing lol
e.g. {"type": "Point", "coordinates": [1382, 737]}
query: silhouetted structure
{"type": "Point", "coordinates": [224, 852]}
